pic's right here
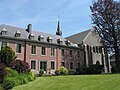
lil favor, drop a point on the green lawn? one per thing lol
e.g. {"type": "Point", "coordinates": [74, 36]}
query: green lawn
{"type": "Point", "coordinates": [81, 82]}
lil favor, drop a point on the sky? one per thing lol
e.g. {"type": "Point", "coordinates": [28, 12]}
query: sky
{"type": "Point", "coordinates": [43, 15]}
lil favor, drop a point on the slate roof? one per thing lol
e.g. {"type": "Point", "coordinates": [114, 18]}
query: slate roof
{"type": "Point", "coordinates": [79, 37]}
{"type": "Point", "coordinates": [11, 30]}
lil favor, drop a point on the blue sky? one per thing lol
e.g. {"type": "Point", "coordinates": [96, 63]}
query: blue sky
{"type": "Point", "coordinates": [43, 15]}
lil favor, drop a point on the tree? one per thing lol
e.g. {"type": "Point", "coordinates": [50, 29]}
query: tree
{"type": "Point", "coordinates": [7, 55]}
{"type": "Point", "coordinates": [106, 17]}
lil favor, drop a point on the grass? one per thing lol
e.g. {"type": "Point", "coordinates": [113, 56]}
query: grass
{"type": "Point", "coordinates": [78, 82]}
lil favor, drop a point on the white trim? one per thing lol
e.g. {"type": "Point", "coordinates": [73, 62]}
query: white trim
{"type": "Point", "coordinates": [18, 59]}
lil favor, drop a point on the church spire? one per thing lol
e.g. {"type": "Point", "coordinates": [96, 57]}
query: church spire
{"type": "Point", "coordinates": [58, 32]}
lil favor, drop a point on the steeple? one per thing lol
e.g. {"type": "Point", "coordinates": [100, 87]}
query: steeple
{"type": "Point", "coordinates": [58, 32]}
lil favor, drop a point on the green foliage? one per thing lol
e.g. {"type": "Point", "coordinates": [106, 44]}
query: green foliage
{"type": "Point", "coordinates": [11, 72]}
{"type": "Point", "coordinates": [41, 72]}
{"type": "Point", "coordinates": [57, 72]}
{"type": "Point", "coordinates": [63, 70]}
{"type": "Point", "coordinates": [71, 72]}
{"type": "Point", "coordinates": [7, 55]}
{"type": "Point", "coordinates": [2, 72]}
{"type": "Point", "coordinates": [31, 73]}
{"type": "Point", "coordinates": [10, 82]}
{"type": "Point", "coordinates": [13, 78]}
{"type": "Point", "coordinates": [20, 66]}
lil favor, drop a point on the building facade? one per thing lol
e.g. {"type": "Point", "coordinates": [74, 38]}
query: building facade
{"type": "Point", "coordinates": [41, 50]}
{"type": "Point", "coordinates": [93, 49]}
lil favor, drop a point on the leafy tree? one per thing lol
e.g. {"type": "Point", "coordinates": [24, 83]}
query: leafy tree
{"type": "Point", "coordinates": [106, 17]}
{"type": "Point", "coordinates": [7, 55]}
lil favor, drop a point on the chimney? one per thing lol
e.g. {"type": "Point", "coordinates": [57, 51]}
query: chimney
{"type": "Point", "coordinates": [29, 28]}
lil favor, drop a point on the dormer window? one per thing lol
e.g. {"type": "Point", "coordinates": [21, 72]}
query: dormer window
{"type": "Point", "coordinates": [67, 42]}
{"type": "Point", "coordinates": [31, 36]}
{"type": "Point", "coordinates": [59, 41]}
{"type": "Point", "coordinates": [49, 39]}
{"type": "Point", "coordinates": [4, 32]}
{"type": "Point", "coordinates": [17, 34]}
{"type": "Point", "coordinates": [41, 38]}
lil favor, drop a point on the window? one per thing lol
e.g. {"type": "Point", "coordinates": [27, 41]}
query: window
{"type": "Point", "coordinates": [49, 39]}
{"type": "Point", "coordinates": [59, 41]}
{"type": "Point", "coordinates": [52, 65]}
{"type": "Point", "coordinates": [78, 54]}
{"type": "Point", "coordinates": [94, 49]}
{"type": "Point", "coordinates": [70, 53]}
{"type": "Point", "coordinates": [43, 51]}
{"type": "Point", "coordinates": [63, 64]}
{"type": "Point", "coordinates": [71, 65]}
{"type": "Point", "coordinates": [18, 48]}
{"type": "Point", "coordinates": [63, 52]}
{"type": "Point", "coordinates": [4, 32]}
{"type": "Point", "coordinates": [78, 65]}
{"type": "Point", "coordinates": [52, 51]}
{"type": "Point", "coordinates": [33, 49]}
{"type": "Point", "coordinates": [17, 34]}
{"type": "Point", "coordinates": [100, 50]}
{"type": "Point", "coordinates": [41, 38]}
{"type": "Point", "coordinates": [67, 42]}
{"type": "Point", "coordinates": [43, 65]}
{"type": "Point", "coordinates": [4, 44]}
{"type": "Point", "coordinates": [31, 36]}
{"type": "Point", "coordinates": [33, 64]}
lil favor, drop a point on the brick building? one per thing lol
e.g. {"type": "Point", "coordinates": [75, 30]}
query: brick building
{"type": "Point", "coordinates": [42, 50]}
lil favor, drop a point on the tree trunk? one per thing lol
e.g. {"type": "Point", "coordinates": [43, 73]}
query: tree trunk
{"type": "Point", "coordinates": [117, 59]}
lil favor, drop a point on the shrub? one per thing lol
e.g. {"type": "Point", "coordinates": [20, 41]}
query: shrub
{"type": "Point", "coordinates": [11, 72]}
{"type": "Point", "coordinates": [23, 78]}
{"type": "Point", "coordinates": [20, 66]}
{"type": "Point", "coordinates": [2, 72]}
{"type": "Point", "coordinates": [7, 55]}
{"type": "Point", "coordinates": [57, 72]}
{"type": "Point", "coordinates": [41, 72]}
{"type": "Point", "coordinates": [71, 72]}
{"type": "Point", "coordinates": [13, 78]}
{"type": "Point", "coordinates": [63, 70]}
{"type": "Point", "coordinates": [32, 75]}
{"type": "Point", "coordinates": [9, 83]}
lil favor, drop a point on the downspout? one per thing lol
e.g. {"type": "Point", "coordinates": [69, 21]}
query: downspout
{"type": "Point", "coordinates": [25, 51]}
